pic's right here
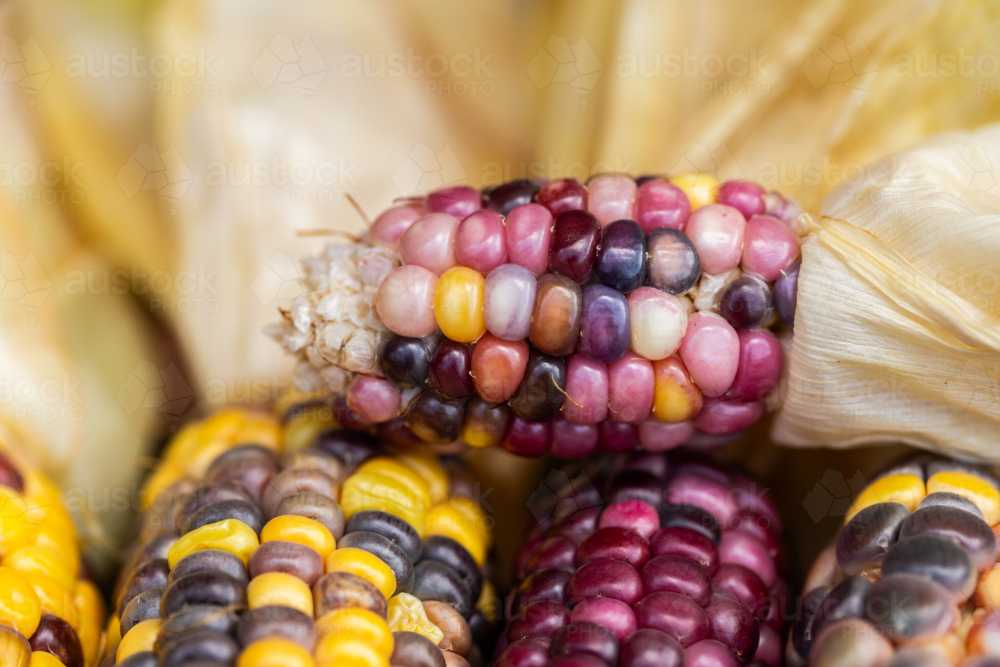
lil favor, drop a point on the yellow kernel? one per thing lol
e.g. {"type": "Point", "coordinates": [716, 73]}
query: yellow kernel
{"type": "Point", "coordinates": [360, 624]}
{"type": "Point", "coordinates": [281, 589]}
{"type": "Point", "coordinates": [274, 652]}
{"type": "Point", "coordinates": [90, 604]}
{"type": "Point", "coordinates": [429, 467]}
{"type": "Point", "coordinates": [675, 396]}
{"type": "Point", "coordinates": [140, 638]}
{"type": "Point", "coordinates": [112, 635]}
{"type": "Point", "coordinates": [458, 304]}
{"type": "Point", "coordinates": [19, 605]}
{"type": "Point", "coordinates": [163, 477]}
{"type": "Point", "coordinates": [293, 528]}
{"type": "Point", "coordinates": [302, 429]}
{"type": "Point", "coordinates": [229, 535]}
{"type": "Point", "coordinates": [489, 602]}
{"type": "Point", "coordinates": [57, 540]}
{"type": "Point", "coordinates": [15, 651]}
{"type": "Point", "coordinates": [407, 614]}
{"type": "Point", "coordinates": [53, 598]}
{"type": "Point", "coordinates": [902, 488]}
{"type": "Point", "coordinates": [475, 515]}
{"type": "Point", "coordinates": [13, 534]}
{"type": "Point", "coordinates": [400, 472]}
{"type": "Point", "coordinates": [365, 565]}
{"type": "Point", "coordinates": [700, 188]}
{"type": "Point", "coordinates": [41, 560]}
{"type": "Point", "coordinates": [335, 652]}
{"type": "Point", "coordinates": [976, 489]}
{"type": "Point", "coordinates": [44, 659]}
{"type": "Point", "coordinates": [375, 491]}
{"type": "Point", "coordinates": [447, 520]}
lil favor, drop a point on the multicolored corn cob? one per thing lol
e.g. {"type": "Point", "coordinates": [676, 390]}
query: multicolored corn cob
{"type": "Point", "coordinates": [913, 579]}
{"type": "Point", "coordinates": [557, 318]}
{"type": "Point", "coordinates": [51, 614]}
{"type": "Point", "coordinates": [297, 544]}
{"type": "Point", "coordinates": [655, 561]}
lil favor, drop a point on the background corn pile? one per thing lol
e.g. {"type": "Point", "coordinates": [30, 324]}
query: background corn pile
{"type": "Point", "coordinates": [163, 161]}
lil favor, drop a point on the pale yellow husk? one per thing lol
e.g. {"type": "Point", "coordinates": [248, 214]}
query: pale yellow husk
{"type": "Point", "coordinates": [897, 332]}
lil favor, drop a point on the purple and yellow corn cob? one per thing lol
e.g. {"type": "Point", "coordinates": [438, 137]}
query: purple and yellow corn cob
{"type": "Point", "coordinates": [51, 614]}
{"type": "Point", "coordinates": [298, 544]}
{"type": "Point", "coordinates": [655, 561]}
{"type": "Point", "coordinates": [563, 318]}
{"type": "Point", "coordinates": [913, 579]}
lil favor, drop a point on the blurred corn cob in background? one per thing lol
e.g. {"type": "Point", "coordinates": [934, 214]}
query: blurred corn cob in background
{"type": "Point", "coordinates": [296, 543]}
{"type": "Point", "coordinates": [48, 603]}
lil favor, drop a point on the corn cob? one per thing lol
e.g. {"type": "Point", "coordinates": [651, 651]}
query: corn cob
{"type": "Point", "coordinates": [561, 318]}
{"type": "Point", "coordinates": [648, 562]}
{"type": "Point", "coordinates": [913, 577]}
{"type": "Point", "coordinates": [51, 613]}
{"type": "Point", "coordinates": [299, 544]}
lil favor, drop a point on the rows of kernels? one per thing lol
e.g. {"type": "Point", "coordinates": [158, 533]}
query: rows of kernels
{"type": "Point", "coordinates": [668, 565]}
{"type": "Point", "coordinates": [49, 614]}
{"type": "Point", "coordinates": [297, 558]}
{"type": "Point", "coordinates": [913, 578]}
{"type": "Point", "coordinates": [682, 269]}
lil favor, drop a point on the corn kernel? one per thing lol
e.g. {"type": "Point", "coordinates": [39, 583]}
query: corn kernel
{"type": "Point", "coordinates": [53, 598]}
{"type": "Point", "coordinates": [13, 534]}
{"type": "Point", "coordinates": [700, 188]}
{"type": "Point", "coordinates": [20, 607]}
{"type": "Point", "coordinates": [365, 565]}
{"type": "Point", "coordinates": [140, 638]}
{"type": "Point", "coordinates": [165, 475]}
{"type": "Point", "coordinates": [988, 590]}
{"type": "Point", "coordinates": [302, 429]}
{"type": "Point", "coordinates": [348, 653]}
{"type": "Point", "coordinates": [905, 489]}
{"type": "Point", "coordinates": [281, 589]}
{"type": "Point", "coordinates": [360, 624]}
{"type": "Point", "coordinates": [44, 659]}
{"type": "Point", "coordinates": [229, 535]}
{"type": "Point", "coordinates": [432, 472]}
{"type": "Point", "coordinates": [60, 541]}
{"type": "Point", "coordinates": [489, 603]}
{"type": "Point", "coordinates": [402, 473]}
{"type": "Point", "coordinates": [90, 604]}
{"type": "Point", "coordinates": [292, 528]}
{"type": "Point", "coordinates": [447, 520]}
{"type": "Point", "coordinates": [41, 560]}
{"type": "Point", "coordinates": [475, 516]}
{"type": "Point", "coordinates": [675, 396]}
{"type": "Point", "coordinates": [15, 651]}
{"type": "Point", "coordinates": [407, 614]}
{"type": "Point", "coordinates": [112, 635]}
{"type": "Point", "coordinates": [976, 489]}
{"type": "Point", "coordinates": [275, 652]}
{"type": "Point", "coordinates": [375, 491]}
{"type": "Point", "coordinates": [458, 304]}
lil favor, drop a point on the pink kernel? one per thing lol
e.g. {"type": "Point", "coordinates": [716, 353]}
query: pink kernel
{"type": "Point", "coordinates": [389, 227]}
{"type": "Point", "coordinates": [761, 362]}
{"type": "Point", "coordinates": [611, 197]}
{"type": "Point", "coordinates": [563, 194]}
{"type": "Point", "coordinates": [430, 242]}
{"type": "Point", "coordinates": [613, 614]}
{"type": "Point", "coordinates": [721, 417]}
{"type": "Point", "coordinates": [745, 196]}
{"type": "Point", "coordinates": [717, 232]}
{"type": "Point", "coordinates": [630, 389]}
{"type": "Point", "coordinates": [711, 352]}
{"type": "Point", "coordinates": [529, 233]}
{"type": "Point", "coordinates": [660, 203]}
{"type": "Point", "coordinates": [374, 399]}
{"type": "Point", "coordinates": [405, 301]}
{"type": "Point", "coordinates": [481, 241]}
{"type": "Point", "coordinates": [741, 548]}
{"type": "Point", "coordinates": [769, 248]}
{"type": "Point", "coordinates": [709, 653]}
{"type": "Point", "coordinates": [459, 201]}
{"type": "Point", "coordinates": [633, 515]}
{"type": "Point", "coordinates": [586, 399]}
{"type": "Point", "coordinates": [657, 436]}
{"type": "Point", "coordinates": [712, 495]}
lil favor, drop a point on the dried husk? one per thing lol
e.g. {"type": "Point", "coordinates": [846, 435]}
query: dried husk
{"type": "Point", "coordinates": [897, 332]}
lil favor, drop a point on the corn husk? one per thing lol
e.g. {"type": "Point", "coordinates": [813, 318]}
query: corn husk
{"type": "Point", "coordinates": [897, 332]}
